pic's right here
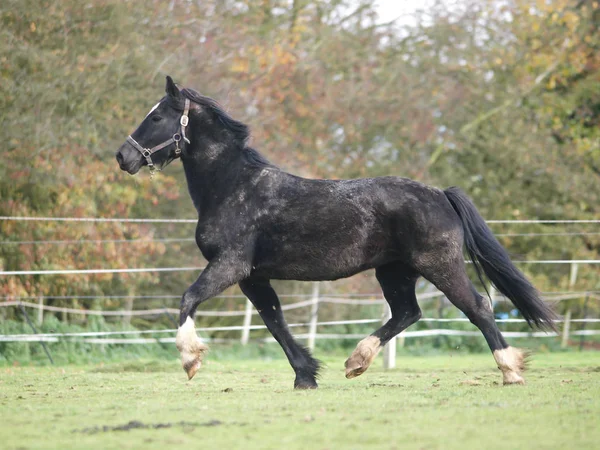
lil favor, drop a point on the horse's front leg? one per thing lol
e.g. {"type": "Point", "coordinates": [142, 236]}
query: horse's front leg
{"type": "Point", "coordinates": [218, 275]}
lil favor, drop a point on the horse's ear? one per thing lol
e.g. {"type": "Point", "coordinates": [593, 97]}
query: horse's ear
{"type": "Point", "coordinates": [171, 89]}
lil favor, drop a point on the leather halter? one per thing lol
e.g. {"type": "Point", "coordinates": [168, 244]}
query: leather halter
{"type": "Point", "coordinates": [177, 137]}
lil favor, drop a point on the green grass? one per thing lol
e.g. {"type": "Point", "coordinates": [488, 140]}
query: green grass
{"type": "Point", "coordinates": [446, 401]}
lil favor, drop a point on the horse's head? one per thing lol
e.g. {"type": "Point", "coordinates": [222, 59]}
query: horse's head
{"type": "Point", "coordinates": [161, 136]}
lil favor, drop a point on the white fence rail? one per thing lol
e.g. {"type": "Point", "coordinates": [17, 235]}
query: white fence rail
{"type": "Point", "coordinates": [136, 337]}
{"type": "Point", "coordinates": [188, 269]}
{"type": "Point", "coordinates": [311, 301]}
{"type": "Point", "coordinates": [146, 220]}
{"type": "Point", "coordinates": [85, 337]}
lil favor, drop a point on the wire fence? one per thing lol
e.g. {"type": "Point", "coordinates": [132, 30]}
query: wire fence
{"type": "Point", "coordinates": [192, 240]}
{"type": "Point", "coordinates": [314, 327]}
{"type": "Point", "coordinates": [18, 301]}
{"type": "Point", "coordinates": [152, 220]}
{"type": "Point", "coordinates": [314, 324]}
{"type": "Point", "coordinates": [190, 269]}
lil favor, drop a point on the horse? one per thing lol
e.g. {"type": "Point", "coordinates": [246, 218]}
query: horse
{"type": "Point", "coordinates": [258, 223]}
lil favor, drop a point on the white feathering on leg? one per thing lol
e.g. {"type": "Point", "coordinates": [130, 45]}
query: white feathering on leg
{"type": "Point", "coordinates": [511, 361]}
{"type": "Point", "coordinates": [362, 356]}
{"type": "Point", "coordinates": [190, 347]}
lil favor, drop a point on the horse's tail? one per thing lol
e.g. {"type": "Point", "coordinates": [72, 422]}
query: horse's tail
{"type": "Point", "coordinates": [491, 258]}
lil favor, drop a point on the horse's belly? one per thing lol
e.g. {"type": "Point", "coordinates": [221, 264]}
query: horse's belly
{"type": "Point", "coordinates": [314, 263]}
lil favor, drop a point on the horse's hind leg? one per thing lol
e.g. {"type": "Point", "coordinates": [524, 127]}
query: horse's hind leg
{"type": "Point", "coordinates": [451, 278]}
{"type": "Point", "coordinates": [266, 302]}
{"type": "Point", "coordinates": [398, 286]}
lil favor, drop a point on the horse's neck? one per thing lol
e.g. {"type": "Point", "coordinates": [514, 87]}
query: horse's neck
{"type": "Point", "coordinates": [212, 178]}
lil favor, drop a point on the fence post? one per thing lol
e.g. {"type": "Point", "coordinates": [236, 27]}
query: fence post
{"type": "Point", "coordinates": [40, 314]}
{"type": "Point", "coordinates": [492, 296]}
{"type": "Point", "coordinates": [389, 351]}
{"type": "Point", "coordinates": [36, 332]}
{"type": "Point", "coordinates": [247, 322]}
{"type": "Point", "coordinates": [64, 316]}
{"type": "Point", "coordinates": [583, 325]}
{"type": "Point", "coordinates": [128, 307]}
{"type": "Point", "coordinates": [400, 339]}
{"type": "Point", "coordinates": [314, 313]}
{"type": "Point", "coordinates": [573, 274]}
{"type": "Point", "coordinates": [567, 324]}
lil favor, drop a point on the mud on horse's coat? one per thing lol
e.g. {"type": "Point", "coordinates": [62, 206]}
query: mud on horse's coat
{"type": "Point", "coordinates": [257, 223]}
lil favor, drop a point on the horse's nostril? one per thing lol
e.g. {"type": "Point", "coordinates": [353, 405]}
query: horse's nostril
{"type": "Point", "coordinates": [119, 158]}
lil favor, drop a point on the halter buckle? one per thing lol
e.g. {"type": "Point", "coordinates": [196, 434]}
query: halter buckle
{"type": "Point", "coordinates": [177, 139]}
{"type": "Point", "coordinates": [184, 121]}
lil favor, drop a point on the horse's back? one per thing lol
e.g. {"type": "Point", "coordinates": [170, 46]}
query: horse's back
{"type": "Point", "coordinates": [329, 229]}
{"type": "Point", "coordinates": [401, 204]}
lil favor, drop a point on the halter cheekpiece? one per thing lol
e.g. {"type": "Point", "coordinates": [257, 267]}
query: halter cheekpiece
{"type": "Point", "coordinates": [177, 137]}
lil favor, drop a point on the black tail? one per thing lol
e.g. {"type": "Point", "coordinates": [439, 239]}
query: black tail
{"type": "Point", "coordinates": [490, 257]}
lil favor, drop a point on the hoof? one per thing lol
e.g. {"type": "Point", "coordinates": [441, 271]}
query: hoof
{"type": "Point", "coordinates": [191, 367]}
{"type": "Point", "coordinates": [512, 378]}
{"type": "Point", "coordinates": [512, 362]}
{"type": "Point", "coordinates": [191, 358]}
{"type": "Point", "coordinates": [305, 384]}
{"type": "Point", "coordinates": [362, 356]}
{"type": "Point", "coordinates": [190, 347]}
{"type": "Point", "coordinates": [354, 368]}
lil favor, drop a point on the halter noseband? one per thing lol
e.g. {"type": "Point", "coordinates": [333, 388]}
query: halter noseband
{"type": "Point", "coordinates": [177, 137]}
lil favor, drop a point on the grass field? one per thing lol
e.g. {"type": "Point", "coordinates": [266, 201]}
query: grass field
{"type": "Point", "coordinates": [447, 401]}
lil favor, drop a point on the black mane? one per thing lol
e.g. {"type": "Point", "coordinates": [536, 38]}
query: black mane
{"type": "Point", "coordinates": [254, 158]}
{"type": "Point", "coordinates": [239, 130]}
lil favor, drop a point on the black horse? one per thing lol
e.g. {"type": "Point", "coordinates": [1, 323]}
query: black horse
{"type": "Point", "coordinates": [257, 223]}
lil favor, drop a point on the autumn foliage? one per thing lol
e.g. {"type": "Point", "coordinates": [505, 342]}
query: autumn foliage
{"type": "Point", "coordinates": [500, 98]}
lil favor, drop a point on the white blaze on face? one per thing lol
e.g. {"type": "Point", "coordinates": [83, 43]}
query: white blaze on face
{"type": "Point", "coordinates": [153, 108]}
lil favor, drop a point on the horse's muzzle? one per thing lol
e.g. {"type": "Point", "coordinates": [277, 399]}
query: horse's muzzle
{"type": "Point", "coordinates": [130, 160]}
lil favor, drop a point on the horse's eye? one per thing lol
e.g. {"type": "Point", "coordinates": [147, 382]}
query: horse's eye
{"type": "Point", "coordinates": [156, 118]}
